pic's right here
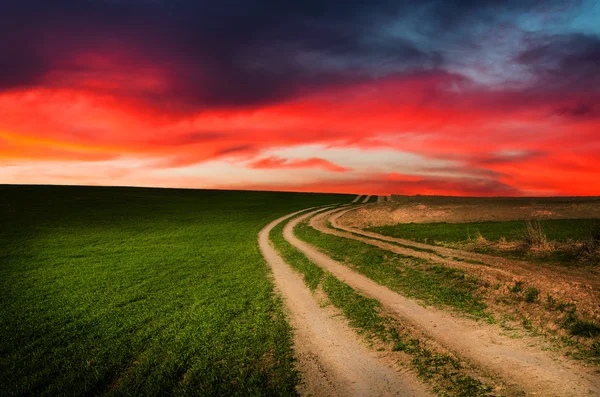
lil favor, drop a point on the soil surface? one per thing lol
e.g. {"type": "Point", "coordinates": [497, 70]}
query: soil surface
{"type": "Point", "coordinates": [332, 360]}
{"type": "Point", "coordinates": [519, 362]}
{"type": "Point", "coordinates": [423, 209]}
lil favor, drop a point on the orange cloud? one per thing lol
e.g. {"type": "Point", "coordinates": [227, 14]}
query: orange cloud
{"type": "Point", "coordinates": [274, 162]}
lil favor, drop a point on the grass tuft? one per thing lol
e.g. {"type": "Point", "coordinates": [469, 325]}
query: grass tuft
{"type": "Point", "coordinates": [584, 328]}
{"type": "Point", "coordinates": [590, 248]}
{"type": "Point", "coordinates": [534, 238]}
{"type": "Point", "coordinates": [596, 348]}
{"type": "Point", "coordinates": [517, 288]}
{"type": "Point", "coordinates": [532, 294]}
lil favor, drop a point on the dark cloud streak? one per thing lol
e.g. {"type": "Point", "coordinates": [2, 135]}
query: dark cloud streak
{"type": "Point", "coordinates": [235, 53]}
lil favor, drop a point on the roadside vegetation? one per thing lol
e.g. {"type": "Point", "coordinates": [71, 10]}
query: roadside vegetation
{"type": "Point", "coordinates": [518, 305]}
{"type": "Point", "coordinates": [560, 241]}
{"type": "Point", "coordinates": [523, 308]}
{"type": "Point", "coordinates": [127, 291]}
{"type": "Point", "coordinates": [432, 283]}
{"type": "Point", "coordinates": [447, 375]}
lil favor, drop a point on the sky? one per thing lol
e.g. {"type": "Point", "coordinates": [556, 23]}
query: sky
{"type": "Point", "coordinates": [454, 97]}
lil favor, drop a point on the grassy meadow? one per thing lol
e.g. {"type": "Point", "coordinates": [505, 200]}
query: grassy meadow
{"type": "Point", "coordinates": [130, 291]}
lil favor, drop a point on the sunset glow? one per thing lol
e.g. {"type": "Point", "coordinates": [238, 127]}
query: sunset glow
{"type": "Point", "coordinates": [416, 97]}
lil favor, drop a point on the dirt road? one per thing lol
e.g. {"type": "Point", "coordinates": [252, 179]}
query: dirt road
{"type": "Point", "coordinates": [516, 361]}
{"type": "Point", "coordinates": [332, 359]}
{"type": "Point", "coordinates": [563, 282]}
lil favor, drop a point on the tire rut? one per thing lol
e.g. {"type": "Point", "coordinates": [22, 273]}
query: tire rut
{"type": "Point", "coordinates": [517, 267]}
{"type": "Point", "coordinates": [516, 361]}
{"type": "Point", "coordinates": [573, 285]}
{"type": "Point", "coordinates": [332, 359]}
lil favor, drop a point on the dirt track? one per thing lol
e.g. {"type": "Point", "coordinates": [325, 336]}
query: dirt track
{"type": "Point", "coordinates": [332, 359]}
{"type": "Point", "coordinates": [515, 265]}
{"type": "Point", "coordinates": [572, 284]}
{"type": "Point", "coordinates": [515, 361]}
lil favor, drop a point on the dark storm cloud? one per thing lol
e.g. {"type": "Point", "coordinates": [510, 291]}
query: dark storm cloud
{"type": "Point", "coordinates": [239, 53]}
{"type": "Point", "coordinates": [20, 68]}
{"type": "Point", "coordinates": [568, 62]}
{"type": "Point", "coordinates": [579, 111]}
{"type": "Point", "coordinates": [249, 148]}
{"type": "Point", "coordinates": [191, 138]}
{"type": "Point", "coordinates": [508, 157]}
{"type": "Point", "coordinates": [466, 186]}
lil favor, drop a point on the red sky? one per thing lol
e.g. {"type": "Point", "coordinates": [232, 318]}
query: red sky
{"type": "Point", "coordinates": [148, 101]}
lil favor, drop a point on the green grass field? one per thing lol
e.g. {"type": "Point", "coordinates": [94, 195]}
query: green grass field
{"type": "Point", "coordinates": [124, 291]}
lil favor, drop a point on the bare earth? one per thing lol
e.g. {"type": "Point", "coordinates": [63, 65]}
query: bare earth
{"type": "Point", "coordinates": [403, 209]}
{"type": "Point", "coordinates": [331, 358]}
{"type": "Point", "coordinates": [517, 361]}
